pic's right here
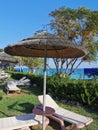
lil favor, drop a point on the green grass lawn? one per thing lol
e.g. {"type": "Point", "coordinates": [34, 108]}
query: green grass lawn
{"type": "Point", "coordinates": [17, 104]}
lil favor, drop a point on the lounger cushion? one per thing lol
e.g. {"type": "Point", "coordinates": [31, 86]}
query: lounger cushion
{"type": "Point", "coordinates": [16, 122]}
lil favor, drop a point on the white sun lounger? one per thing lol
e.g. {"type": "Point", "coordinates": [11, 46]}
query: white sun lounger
{"type": "Point", "coordinates": [22, 81]}
{"type": "Point", "coordinates": [16, 122]}
{"type": "Point", "coordinates": [3, 76]}
{"type": "Point", "coordinates": [11, 86]}
{"type": "Point", "coordinates": [77, 120]}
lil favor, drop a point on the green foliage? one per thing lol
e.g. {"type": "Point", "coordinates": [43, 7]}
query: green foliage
{"type": "Point", "coordinates": [81, 27]}
{"type": "Point", "coordinates": [85, 92]}
{"type": "Point", "coordinates": [1, 50]}
{"type": "Point", "coordinates": [32, 62]}
{"type": "Point", "coordinates": [18, 104]}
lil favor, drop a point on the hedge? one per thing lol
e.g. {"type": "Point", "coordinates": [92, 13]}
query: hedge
{"type": "Point", "coordinates": [82, 91]}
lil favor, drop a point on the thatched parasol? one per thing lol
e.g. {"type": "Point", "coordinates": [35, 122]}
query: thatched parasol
{"type": "Point", "coordinates": [35, 46]}
{"type": "Point", "coordinates": [44, 44]}
{"type": "Point", "coordinates": [7, 58]}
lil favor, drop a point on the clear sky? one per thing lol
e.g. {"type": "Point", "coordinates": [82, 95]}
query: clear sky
{"type": "Point", "coordinates": [20, 19]}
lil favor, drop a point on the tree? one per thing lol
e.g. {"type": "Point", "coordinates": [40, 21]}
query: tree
{"type": "Point", "coordinates": [1, 50]}
{"type": "Point", "coordinates": [32, 62]}
{"type": "Point", "coordinates": [79, 26]}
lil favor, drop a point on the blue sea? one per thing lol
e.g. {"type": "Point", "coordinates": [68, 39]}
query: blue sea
{"type": "Point", "coordinates": [78, 74]}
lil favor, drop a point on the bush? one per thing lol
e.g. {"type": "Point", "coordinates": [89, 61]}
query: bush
{"type": "Point", "coordinates": [83, 91]}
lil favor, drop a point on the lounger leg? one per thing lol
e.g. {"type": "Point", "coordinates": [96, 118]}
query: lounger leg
{"type": "Point", "coordinates": [60, 121]}
{"type": "Point", "coordinates": [25, 128]}
{"type": "Point", "coordinates": [73, 127]}
{"type": "Point", "coordinates": [46, 122]}
{"type": "Point", "coordinates": [7, 91]}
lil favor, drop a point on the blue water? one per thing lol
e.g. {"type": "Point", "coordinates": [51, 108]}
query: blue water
{"type": "Point", "coordinates": [78, 74]}
{"type": "Point", "coordinates": [24, 69]}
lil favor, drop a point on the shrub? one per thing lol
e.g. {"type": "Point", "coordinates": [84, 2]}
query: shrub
{"type": "Point", "coordinates": [83, 91]}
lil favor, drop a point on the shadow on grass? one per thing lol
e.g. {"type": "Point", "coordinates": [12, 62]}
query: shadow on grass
{"type": "Point", "coordinates": [0, 98]}
{"type": "Point", "coordinates": [93, 111]}
{"type": "Point", "coordinates": [32, 90]}
{"type": "Point", "coordinates": [27, 107]}
{"type": "Point", "coordinates": [2, 86]}
{"type": "Point", "coordinates": [4, 114]}
{"type": "Point", "coordinates": [22, 107]}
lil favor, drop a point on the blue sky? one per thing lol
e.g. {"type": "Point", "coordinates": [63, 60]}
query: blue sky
{"type": "Point", "coordinates": [20, 19]}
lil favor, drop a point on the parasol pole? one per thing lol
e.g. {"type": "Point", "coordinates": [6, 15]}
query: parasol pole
{"type": "Point", "coordinates": [44, 90]}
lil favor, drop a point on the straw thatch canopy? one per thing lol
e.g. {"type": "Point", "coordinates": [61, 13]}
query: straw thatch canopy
{"type": "Point", "coordinates": [56, 47]}
{"type": "Point", "coordinates": [7, 58]}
